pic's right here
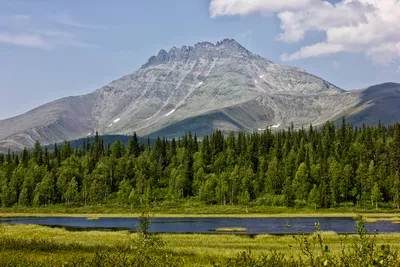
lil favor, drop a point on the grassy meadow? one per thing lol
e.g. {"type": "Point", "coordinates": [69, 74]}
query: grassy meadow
{"type": "Point", "coordinates": [38, 245]}
{"type": "Point", "coordinates": [32, 245]}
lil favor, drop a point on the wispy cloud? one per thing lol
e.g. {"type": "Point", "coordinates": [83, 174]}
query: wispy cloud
{"type": "Point", "coordinates": [246, 7]}
{"type": "Point", "coordinates": [315, 50]}
{"type": "Point", "coordinates": [61, 38]}
{"type": "Point", "coordinates": [27, 40]}
{"type": "Point", "coordinates": [67, 20]}
{"type": "Point", "coordinates": [22, 30]}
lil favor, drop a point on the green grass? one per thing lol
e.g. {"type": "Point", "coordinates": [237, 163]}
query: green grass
{"type": "Point", "coordinates": [53, 244]}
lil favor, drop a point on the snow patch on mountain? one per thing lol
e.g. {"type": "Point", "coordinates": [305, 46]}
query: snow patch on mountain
{"type": "Point", "coordinates": [169, 113]}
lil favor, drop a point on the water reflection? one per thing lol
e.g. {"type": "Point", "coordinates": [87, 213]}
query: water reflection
{"type": "Point", "coordinates": [205, 225]}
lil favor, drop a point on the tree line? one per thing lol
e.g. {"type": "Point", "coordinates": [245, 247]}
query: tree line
{"type": "Point", "coordinates": [322, 167]}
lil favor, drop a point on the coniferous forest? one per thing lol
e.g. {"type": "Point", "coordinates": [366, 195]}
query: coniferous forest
{"type": "Point", "coordinates": [330, 166]}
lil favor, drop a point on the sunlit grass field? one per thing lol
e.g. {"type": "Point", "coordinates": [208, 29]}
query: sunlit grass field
{"type": "Point", "coordinates": [103, 211]}
{"type": "Point", "coordinates": [193, 249]}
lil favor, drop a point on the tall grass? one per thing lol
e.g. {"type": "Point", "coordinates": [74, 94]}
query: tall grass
{"type": "Point", "coordinates": [29, 245]}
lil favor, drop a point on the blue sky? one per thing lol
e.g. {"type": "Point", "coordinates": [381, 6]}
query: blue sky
{"type": "Point", "coordinates": [51, 49]}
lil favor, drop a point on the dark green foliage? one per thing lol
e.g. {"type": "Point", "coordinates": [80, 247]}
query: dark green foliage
{"type": "Point", "coordinates": [320, 168]}
{"type": "Point", "coordinates": [146, 240]}
{"type": "Point", "coordinates": [133, 146]}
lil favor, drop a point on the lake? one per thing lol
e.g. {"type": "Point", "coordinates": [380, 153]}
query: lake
{"type": "Point", "coordinates": [205, 225]}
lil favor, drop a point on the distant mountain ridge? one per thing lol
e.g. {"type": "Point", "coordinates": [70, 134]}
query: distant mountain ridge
{"type": "Point", "coordinates": [201, 88]}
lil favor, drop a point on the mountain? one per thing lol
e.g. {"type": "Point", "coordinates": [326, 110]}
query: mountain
{"type": "Point", "coordinates": [379, 102]}
{"type": "Point", "coordinates": [200, 89]}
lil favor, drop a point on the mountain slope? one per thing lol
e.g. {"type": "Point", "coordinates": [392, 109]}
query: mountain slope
{"type": "Point", "coordinates": [192, 81]}
{"type": "Point", "coordinates": [379, 102]}
{"type": "Point", "coordinates": [65, 119]}
{"type": "Point", "coordinates": [200, 89]}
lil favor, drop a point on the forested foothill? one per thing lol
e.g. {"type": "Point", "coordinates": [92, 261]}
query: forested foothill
{"type": "Point", "coordinates": [326, 167]}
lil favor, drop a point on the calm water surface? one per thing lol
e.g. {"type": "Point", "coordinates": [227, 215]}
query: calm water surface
{"type": "Point", "coordinates": [205, 225]}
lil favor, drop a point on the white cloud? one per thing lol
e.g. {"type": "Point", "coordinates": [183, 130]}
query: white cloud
{"type": "Point", "coordinates": [368, 26]}
{"type": "Point", "coordinates": [22, 30]}
{"type": "Point", "coordinates": [315, 50]}
{"type": "Point", "coordinates": [245, 7]}
{"type": "Point", "coordinates": [27, 40]}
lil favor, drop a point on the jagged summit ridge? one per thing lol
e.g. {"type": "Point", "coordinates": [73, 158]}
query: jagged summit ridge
{"type": "Point", "coordinates": [208, 50]}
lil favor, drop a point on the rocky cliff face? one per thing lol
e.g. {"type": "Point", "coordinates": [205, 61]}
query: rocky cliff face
{"type": "Point", "coordinates": [200, 88]}
{"type": "Point", "coordinates": [191, 81]}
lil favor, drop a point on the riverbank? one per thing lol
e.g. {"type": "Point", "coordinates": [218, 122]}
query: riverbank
{"type": "Point", "coordinates": [199, 212]}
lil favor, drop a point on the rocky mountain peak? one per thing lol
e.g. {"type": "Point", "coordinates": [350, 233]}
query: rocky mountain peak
{"type": "Point", "coordinates": [231, 43]}
{"type": "Point", "coordinates": [224, 48]}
